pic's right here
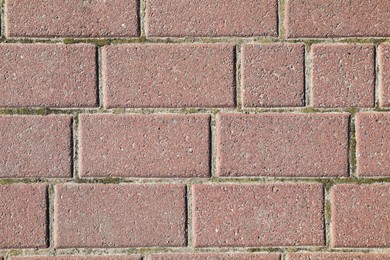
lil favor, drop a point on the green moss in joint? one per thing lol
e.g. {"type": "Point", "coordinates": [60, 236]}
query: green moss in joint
{"type": "Point", "coordinates": [308, 110]}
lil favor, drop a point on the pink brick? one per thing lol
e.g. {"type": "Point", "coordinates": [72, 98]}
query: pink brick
{"type": "Point", "coordinates": [119, 215]}
{"type": "Point", "coordinates": [343, 75]}
{"type": "Point", "coordinates": [71, 18]}
{"type": "Point", "coordinates": [73, 257]}
{"type": "Point", "coordinates": [208, 256]}
{"type": "Point", "coordinates": [144, 145]}
{"type": "Point", "coordinates": [212, 18]}
{"type": "Point", "coordinates": [360, 215]}
{"type": "Point", "coordinates": [23, 216]}
{"type": "Point", "coordinates": [338, 256]}
{"type": "Point", "coordinates": [273, 75]}
{"type": "Point", "coordinates": [252, 215]}
{"type": "Point", "coordinates": [35, 146]}
{"type": "Point", "coordinates": [160, 75]}
{"type": "Point", "coordinates": [373, 144]}
{"type": "Point", "coordinates": [47, 75]}
{"type": "Point", "coordinates": [334, 18]}
{"type": "Point", "coordinates": [384, 72]}
{"type": "Point", "coordinates": [271, 144]}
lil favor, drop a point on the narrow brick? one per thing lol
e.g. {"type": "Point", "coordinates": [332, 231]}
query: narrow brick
{"type": "Point", "coordinates": [334, 18]}
{"type": "Point", "coordinates": [47, 75]}
{"type": "Point", "coordinates": [212, 18]}
{"type": "Point", "coordinates": [273, 75]}
{"type": "Point", "coordinates": [384, 73]}
{"type": "Point", "coordinates": [71, 18]}
{"type": "Point", "coordinates": [119, 215]}
{"type": "Point", "coordinates": [35, 146]}
{"type": "Point", "coordinates": [360, 215]}
{"type": "Point", "coordinates": [208, 256]}
{"type": "Point", "coordinates": [338, 256]}
{"type": "Point", "coordinates": [73, 257]}
{"type": "Point", "coordinates": [160, 75]}
{"type": "Point", "coordinates": [144, 145]}
{"type": "Point", "coordinates": [310, 145]}
{"type": "Point", "coordinates": [252, 215]}
{"type": "Point", "coordinates": [343, 75]}
{"type": "Point", "coordinates": [23, 216]}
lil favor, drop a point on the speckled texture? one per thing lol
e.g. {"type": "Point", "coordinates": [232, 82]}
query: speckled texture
{"type": "Point", "coordinates": [273, 75]}
{"type": "Point", "coordinates": [144, 145]}
{"type": "Point", "coordinates": [23, 216]}
{"type": "Point", "coordinates": [338, 256]}
{"type": "Point", "coordinates": [252, 215]}
{"type": "Point", "coordinates": [178, 75]}
{"type": "Point", "coordinates": [71, 18]}
{"type": "Point", "coordinates": [47, 75]}
{"type": "Point", "coordinates": [210, 256]}
{"type": "Point", "coordinates": [361, 215]}
{"type": "Point", "coordinates": [119, 215]}
{"type": "Point", "coordinates": [35, 146]}
{"type": "Point", "coordinates": [384, 74]}
{"type": "Point", "coordinates": [72, 257]}
{"type": "Point", "coordinates": [343, 75]}
{"type": "Point", "coordinates": [212, 18]}
{"type": "Point", "coordinates": [309, 145]}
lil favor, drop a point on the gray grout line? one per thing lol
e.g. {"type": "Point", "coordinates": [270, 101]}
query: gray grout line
{"type": "Point", "coordinates": [2, 18]}
{"type": "Point", "coordinates": [281, 20]}
{"type": "Point", "coordinates": [99, 70]}
{"type": "Point", "coordinates": [142, 17]}
{"type": "Point", "coordinates": [51, 196]}
{"type": "Point", "coordinates": [213, 147]}
{"type": "Point", "coordinates": [190, 235]}
{"type": "Point", "coordinates": [352, 147]}
{"type": "Point", "coordinates": [308, 75]}
{"type": "Point", "coordinates": [327, 217]}
{"type": "Point", "coordinates": [238, 69]}
{"type": "Point", "coordinates": [378, 96]}
{"type": "Point", "coordinates": [75, 141]}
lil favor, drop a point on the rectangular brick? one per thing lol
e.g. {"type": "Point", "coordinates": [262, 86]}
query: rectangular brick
{"type": "Point", "coordinates": [252, 215]}
{"type": "Point", "coordinates": [212, 18]}
{"type": "Point", "coordinates": [75, 257]}
{"type": "Point", "coordinates": [23, 216]}
{"type": "Point", "coordinates": [48, 75]}
{"type": "Point", "coordinates": [211, 256]}
{"type": "Point", "coordinates": [35, 146]}
{"type": "Point", "coordinates": [360, 215]}
{"type": "Point", "coordinates": [335, 18]}
{"type": "Point", "coordinates": [310, 145]}
{"type": "Point", "coordinates": [176, 75]}
{"type": "Point", "coordinates": [343, 75]}
{"type": "Point", "coordinates": [119, 215]}
{"type": "Point", "coordinates": [71, 18]}
{"type": "Point", "coordinates": [338, 256]}
{"type": "Point", "coordinates": [144, 145]}
{"type": "Point", "coordinates": [384, 74]}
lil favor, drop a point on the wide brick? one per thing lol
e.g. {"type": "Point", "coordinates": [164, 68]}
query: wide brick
{"type": "Point", "coordinates": [343, 75]}
{"type": "Point", "coordinates": [144, 145]}
{"type": "Point", "coordinates": [35, 146]}
{"type": "Point", "coordinates": [71, 18]}
{"type": "Point", "coordinates": [273, 75]}
{"type": "Point", "coordinates": [178, 75]}
{"type": "Point", "coordinates": [212, 18]}
{"type": "Point", "coordinates": [361, 215]}
{"type": "Point", "coordinates": [75, 257]}
{"type": "Point", "coordinates": [384, 72]}
{"type": "Point", "coordinates": [23, 216]}
{"type": "Point", "coordinates": [334, 18]}
{"type": "Point", "coordinates": [338, 256]}
{"type": "Point", "coordinates": [208, 256]}
{"type": "Point", "coordinates": [271, 144]}
{"type": "Point", "coordinates": [252, 215]}
{"type": "Point", "coordinates": [373, 144]}
{"type": "Point", "coordinates": [47, 75]}
{"type": "Point", "coordinates": [119, 215]}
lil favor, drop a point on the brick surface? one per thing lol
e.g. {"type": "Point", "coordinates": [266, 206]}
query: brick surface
{"type": "Point", "coordinates": [334, 18]}
{"type": "Point", "coordinates": [273, 144]}
{"type": "Point", "coordinates": [273, 75]}
{"type": "Point", "coordinates": [64, 257]}
{"type": "Point", "coordinates": [360, 215]}
{"type": "Point", "coordinates": [258, 215]}
{"type": "Point", "coordinates": [35, 146]}
{"type": "Point", "coordinates": [212, 18]}
{"type": "Point", "coordinates": [47, 75]}
{"type": "Point", "coordinates": [338, 256]}
{"type": "Point", "coordinates": [384, 72]}
{"type": "Point", "coordinates": [71, 18]}
{"type": "Point", "coordinates": [343, 75]}
{"type": "Point", "coordinates": [179, 75]}
{"type": "Point", "coordinates": [23, 216]}
{"type": "Point", "coordinates": [373, 144]}
{"type": "Point", "coordinates": [205, 256]}
{"type": "Point", "coordinates": [144, 145]}
{"type": "Point", "coordinates": [119, 215]}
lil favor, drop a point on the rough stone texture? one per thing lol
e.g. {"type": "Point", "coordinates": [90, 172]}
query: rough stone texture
{"type": "Point", "coordinates": [71, 18]}
{"type": "Point", "coordinates": [310, 145]}
{"type": "Point", "coordinates": [338, 256]}
{"type": "Point", "coordinates": [159, 75]}
{"type": "Point", "coordinates": [334, 18]}
{"type": "Point", "coordinates": [384, 73]}
{"type": "Point", "coordinates": [64, 257]}
{"type": "Point", "coordinates": [144, 145]}
{"type": "Point", "coordinates": [23, 216]}
{"type": "Point", "coordinates": [258, 215]}
{"type": "Point", "coordinates": [373, 144]}
{"type": "Point", "coordinates": [361, 215]}
{"type": "Point", "coordinates": [119, 215]}
{"type": "Point", "coordinates": [35, 146]}
{"type": "Point", "coordinates": [47, 75]}
{"type": "Point", "coordinates": [273, 75]}
{"type": "Point", "coordinates": [343, 75]}
{"type": "Point", "coordinates": [212, 18]}
{"type": "Point", "coordinates": [208, 256]}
